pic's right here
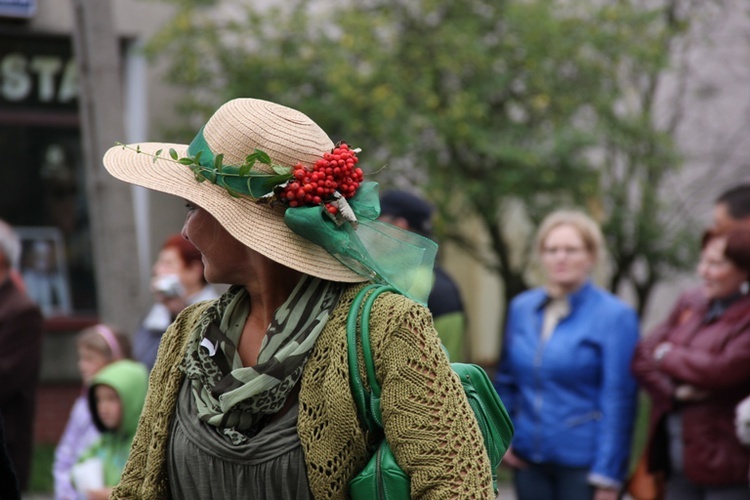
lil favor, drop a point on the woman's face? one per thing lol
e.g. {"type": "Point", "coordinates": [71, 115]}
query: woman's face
{"type": "Point", "coordinates": [721, 278]}
{"type": "Point", "coordinates": [90, 361]}
{"type": "Point", "coordinates": [565, 257]}
{"type": "Point", "coordinates": [108, 406]}
{"type": "Point", "coordinates": [168, 262]}
{"type": "Point", "coordinates": [224, 258]}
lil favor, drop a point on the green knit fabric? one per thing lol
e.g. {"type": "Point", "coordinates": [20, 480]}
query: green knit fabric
{"type": "Point", "coordinates": [428, 421]}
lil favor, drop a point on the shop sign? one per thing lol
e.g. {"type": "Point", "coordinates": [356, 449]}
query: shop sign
{"type": "Point", "coordinates": [37, 72]}
{"type": "Point", "coordinates": [17, 8]}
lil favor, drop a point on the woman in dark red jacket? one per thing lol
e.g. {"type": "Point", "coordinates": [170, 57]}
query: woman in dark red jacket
{"type": "Point", "coordinates": [696, 368]}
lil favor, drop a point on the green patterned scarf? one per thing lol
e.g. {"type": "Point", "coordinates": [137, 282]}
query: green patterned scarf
{"type": "Point", "coordinates": [237, 399]}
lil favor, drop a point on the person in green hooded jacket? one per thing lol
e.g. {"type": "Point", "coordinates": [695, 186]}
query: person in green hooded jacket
{"type": "Point", "coordinates": [116, 398]}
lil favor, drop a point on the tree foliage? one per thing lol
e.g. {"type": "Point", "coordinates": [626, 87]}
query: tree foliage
{"type": "Point", "coordinates": [540, 103]}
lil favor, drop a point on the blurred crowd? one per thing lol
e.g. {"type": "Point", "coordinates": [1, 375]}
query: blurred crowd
{"type": "Point", "coordinates": [572, 363]}
{"type": "Point", "coordinates": [573, 360]}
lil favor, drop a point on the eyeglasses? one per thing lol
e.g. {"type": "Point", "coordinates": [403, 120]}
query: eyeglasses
{"type": "Point", "coordinates": [550, 251]}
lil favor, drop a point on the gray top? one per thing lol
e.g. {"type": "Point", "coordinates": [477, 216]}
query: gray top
{"type": "Point", "coordinates": [203, 463]}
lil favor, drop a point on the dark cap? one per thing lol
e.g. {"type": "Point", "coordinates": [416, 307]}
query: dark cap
{"type": "Point", "coordinates": [417, 212]}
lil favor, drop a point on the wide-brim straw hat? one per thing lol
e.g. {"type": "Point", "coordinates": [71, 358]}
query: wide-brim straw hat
{"type": "Point", "coordinates": [235, 130]}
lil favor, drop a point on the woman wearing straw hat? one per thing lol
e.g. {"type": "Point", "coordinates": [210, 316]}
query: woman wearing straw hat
{"type": "Point", "coordinates": [250, 393]}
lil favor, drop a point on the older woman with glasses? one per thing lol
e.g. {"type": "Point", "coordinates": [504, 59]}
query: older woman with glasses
{"type": "Point", "coordinates": [564, 372]}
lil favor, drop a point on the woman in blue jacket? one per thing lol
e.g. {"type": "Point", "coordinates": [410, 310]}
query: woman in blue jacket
{"type": "Point", "coordinates": [564, 373]}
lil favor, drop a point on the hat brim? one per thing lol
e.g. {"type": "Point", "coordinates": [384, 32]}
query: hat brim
{"type": "Point", "coordinates": [258, 226]}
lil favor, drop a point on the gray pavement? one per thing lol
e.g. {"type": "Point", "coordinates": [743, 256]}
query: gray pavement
{"type": "Point", "coordinates": [505, 492]}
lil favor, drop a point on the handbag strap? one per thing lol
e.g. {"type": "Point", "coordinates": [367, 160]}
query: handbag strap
{"type": "Point", "coordinates": [368, 402]}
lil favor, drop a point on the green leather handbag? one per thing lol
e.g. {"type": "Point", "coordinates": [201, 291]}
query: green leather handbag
{"type": "Point", "coordinates": [382, 477]}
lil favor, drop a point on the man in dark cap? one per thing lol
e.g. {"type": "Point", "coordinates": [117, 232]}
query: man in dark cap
{"type": "Point", "coordinates": [410, 212]}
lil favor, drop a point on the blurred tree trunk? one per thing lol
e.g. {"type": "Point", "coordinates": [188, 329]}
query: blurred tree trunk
{"type": "Point", "coordinates": [110, 201]}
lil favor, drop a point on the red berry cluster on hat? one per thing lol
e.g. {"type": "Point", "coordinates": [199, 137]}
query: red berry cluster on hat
{"type": "Point", "coordinates": [336, 171]}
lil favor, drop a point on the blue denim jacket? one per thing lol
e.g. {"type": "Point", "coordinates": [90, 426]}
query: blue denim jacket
{"type": "Point", "coordinates": [572, 398]}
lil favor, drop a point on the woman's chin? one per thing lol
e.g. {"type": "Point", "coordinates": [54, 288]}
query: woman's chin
{"type": "Point", "coordinates": [566, 284]}
{"type": "Point", "coordinates": [713, 293]}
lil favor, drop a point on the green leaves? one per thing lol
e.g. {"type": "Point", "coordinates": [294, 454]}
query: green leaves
{"type": "Point", "coordinates": [260, 156]}
{"type": "Point", "coordinates": [260, 185]}
{"type": "Point", "coordinates": [237, 180]}
{"type": "Point", "coordinates": [250, 160]}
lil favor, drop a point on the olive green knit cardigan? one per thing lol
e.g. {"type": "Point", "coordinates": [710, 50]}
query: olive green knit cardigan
{"type": "Point", "coordinates": [428, 421]}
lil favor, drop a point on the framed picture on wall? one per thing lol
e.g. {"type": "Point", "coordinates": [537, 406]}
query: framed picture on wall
{"type": "Point", "coordinates": [44, 269]}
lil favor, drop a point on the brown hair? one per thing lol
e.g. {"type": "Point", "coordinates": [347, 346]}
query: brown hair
{"type": "Point", "coordinates": [737, 249]}
{"type": "Point", "coordinates": [100, 338]}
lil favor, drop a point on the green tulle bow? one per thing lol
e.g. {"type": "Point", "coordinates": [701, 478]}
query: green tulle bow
{"type": "Point", "coordinates": [378, 251]}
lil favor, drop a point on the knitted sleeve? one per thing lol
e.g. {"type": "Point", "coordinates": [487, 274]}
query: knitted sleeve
{"type": "Point", "coordinates": [145, 473]}
{"type": "Point", "coordinates": [428, 421]}
{"type": "Point", "coordinates": [427, 418]}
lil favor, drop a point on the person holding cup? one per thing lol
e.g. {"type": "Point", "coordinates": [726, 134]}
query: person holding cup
{"type": "Point", "coordinates": [177, 282]}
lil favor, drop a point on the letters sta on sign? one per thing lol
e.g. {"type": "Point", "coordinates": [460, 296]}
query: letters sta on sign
{"type": "Point", "coordinates": [39, 78]}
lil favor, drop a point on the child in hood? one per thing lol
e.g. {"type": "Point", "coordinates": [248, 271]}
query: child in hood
{"type": "Point", "coordinates": [116, 399]}
{"type": "Point", "coordinates": [97, 347]}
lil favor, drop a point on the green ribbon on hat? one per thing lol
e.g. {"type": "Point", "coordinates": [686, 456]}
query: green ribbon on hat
{"type": "Point", "coordinates": [237, 180]}
{"type": "Point", "coordinates": [199, 145]}
{"type": "Point", "coordinates": [378, 251]}
{"type": "Point", "coordinates": [381, 252]}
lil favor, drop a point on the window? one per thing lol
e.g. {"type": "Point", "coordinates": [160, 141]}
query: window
{"type": "Point", "coordinates": [42, 184]}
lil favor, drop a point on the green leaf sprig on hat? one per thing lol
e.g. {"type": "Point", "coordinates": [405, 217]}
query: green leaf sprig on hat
{"type": "Point", "coordinates": [329, 182]}
{"type": "Point", "coordinates": [238, 180]}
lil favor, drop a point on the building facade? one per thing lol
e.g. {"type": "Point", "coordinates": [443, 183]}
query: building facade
{"type": "Point", "coordinates": [42, 177]}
